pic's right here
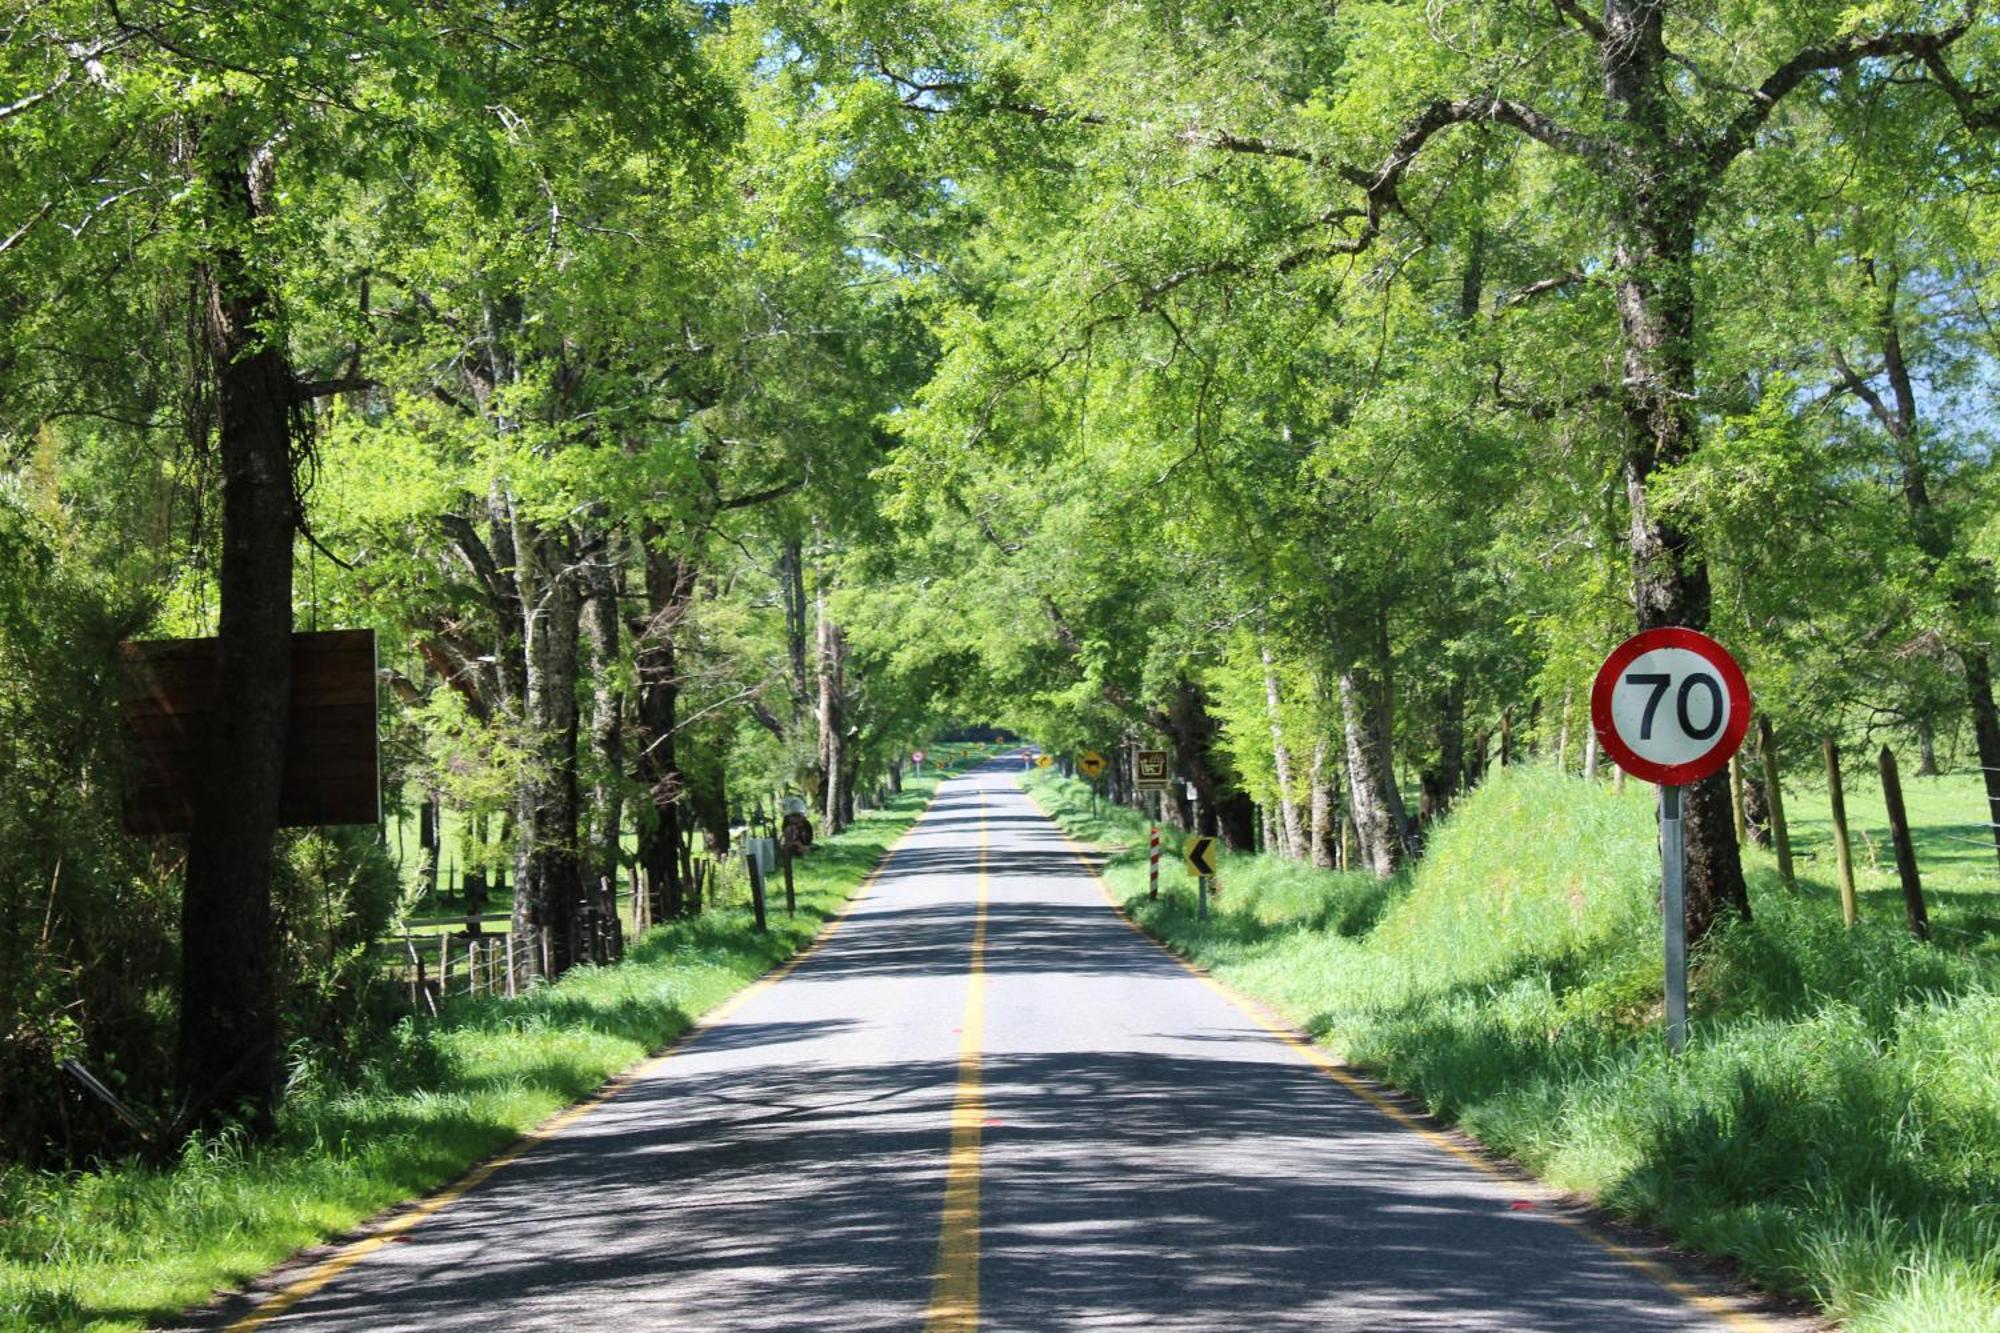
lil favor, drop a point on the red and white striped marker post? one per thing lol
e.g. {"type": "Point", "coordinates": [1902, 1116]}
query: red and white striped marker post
{"type": "Point", "coordinates": [1153, 863]}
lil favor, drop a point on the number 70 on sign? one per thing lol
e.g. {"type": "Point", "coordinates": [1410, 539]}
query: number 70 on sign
{"type": "Point", "coordinates": [1670, 706]}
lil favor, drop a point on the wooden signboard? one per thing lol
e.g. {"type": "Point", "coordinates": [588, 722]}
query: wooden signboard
{"type": "Point", "coordinates": [331, 749]}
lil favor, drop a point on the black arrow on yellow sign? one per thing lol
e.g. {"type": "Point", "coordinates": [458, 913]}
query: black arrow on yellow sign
{"type": "Point", "coordinates": [1201, 856]}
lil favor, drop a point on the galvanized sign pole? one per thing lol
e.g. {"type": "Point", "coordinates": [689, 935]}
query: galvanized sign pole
{"type": "Point", "coordinates": [1673, 899]}
{"type": "Point", "coordinates": [1201, 861]}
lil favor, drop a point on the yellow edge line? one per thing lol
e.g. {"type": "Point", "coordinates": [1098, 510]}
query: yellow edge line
{"type": "Point", "coordinates": [1719, 1307]}
{"type": "Point", "coordinates": [955, 1285]}
{"type": "Point", "coordinates": [354, 1252]}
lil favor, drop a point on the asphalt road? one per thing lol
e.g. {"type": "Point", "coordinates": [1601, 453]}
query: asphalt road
{"type": "Point", "coordinates": [985, 1101]}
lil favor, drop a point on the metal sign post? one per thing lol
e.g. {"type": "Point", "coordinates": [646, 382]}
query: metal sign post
{"type": "Point", "coordinates": [1673, 902]}
{"type": "Point", "coordinates": [1091, 763]}
{"type": "Point", "coordinates": [1671, 706]}
{"type": "Point", "coordinates": [1201, 862]}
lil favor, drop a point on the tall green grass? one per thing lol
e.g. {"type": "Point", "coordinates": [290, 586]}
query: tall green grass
{"type": "Point", "coordinates": [1834, 1125]}
{"type": "Point", "coordinates": [128, 1244]}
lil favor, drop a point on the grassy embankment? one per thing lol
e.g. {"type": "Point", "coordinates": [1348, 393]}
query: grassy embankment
{"type": "Point", "coordinates": [119, 1247]}
{"type": "Point", "coordinates": [1835, 1123]}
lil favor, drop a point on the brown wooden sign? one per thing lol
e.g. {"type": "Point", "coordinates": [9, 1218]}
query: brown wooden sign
{"type": "Point", "coordinates": [330, 752]}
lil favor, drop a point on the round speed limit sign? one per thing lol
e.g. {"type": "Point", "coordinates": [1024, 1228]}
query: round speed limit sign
{"type": "Point", "coordinates": [1670, 706]}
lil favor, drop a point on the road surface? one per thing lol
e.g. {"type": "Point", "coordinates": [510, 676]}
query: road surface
{"type": "Point", "coordinates": [985, 1101]}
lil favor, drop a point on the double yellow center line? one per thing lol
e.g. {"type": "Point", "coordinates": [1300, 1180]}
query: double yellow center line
{"type": "Point", "coordinates": [955, 1286]}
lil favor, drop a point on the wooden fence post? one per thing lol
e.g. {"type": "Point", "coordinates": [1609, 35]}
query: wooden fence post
{"type": "Point", "coordinates": [1774, 801]}
{"type": "Point", "coordinates": [1906, 852]}
{"type": "Point", "coordinates": [791, 897]}
{"type": "Point", "coordinates": [1736, 798]}
{"type": "Point", "coordinates": [1843, 855]}
{"type": "Point", "coordinates": [756, 869]}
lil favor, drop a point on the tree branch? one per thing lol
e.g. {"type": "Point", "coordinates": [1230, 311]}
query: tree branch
{"type": "Point", "coordinates": [1581, 17]}
{"type": "Point", "coordinates": [491, 581]}
{"type": "Point", "coordinates": [1927, 46]}
{"type": "Point", "coordinates": [1534, 289]}
{"type": "Point", "coordinates": [309, 390]}
{"type": "Point", "coordinates": [1977, 110]}
{"type": "Point", "coordinates": [1852, 382]}
{"type": "Point", "coordinates": [762, 497]}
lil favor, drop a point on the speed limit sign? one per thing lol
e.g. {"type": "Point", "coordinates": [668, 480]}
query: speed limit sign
{"type": "Point", "coordinates": [1670, 706]}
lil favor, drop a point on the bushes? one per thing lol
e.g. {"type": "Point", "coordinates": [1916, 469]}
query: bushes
{"type": "Point", "coordinates": [87, 917]}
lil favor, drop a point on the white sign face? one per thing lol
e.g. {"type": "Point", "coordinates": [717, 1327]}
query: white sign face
{"type": "Point", "coordinates": [1670, 706]}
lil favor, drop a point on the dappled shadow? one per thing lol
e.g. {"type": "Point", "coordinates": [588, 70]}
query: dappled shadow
{"type": "Point", "coordinates": [1148, 1159]}
{"type": "Point", "coordinates": [1124, 1187]}
{"type": "Point", "coordinates": [933, 941]}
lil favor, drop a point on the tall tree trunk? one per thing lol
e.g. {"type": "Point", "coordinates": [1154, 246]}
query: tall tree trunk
{"type": "Point", "coordinates": [1985, 731]}
{"type": "Point", "coordinates": [548, 854]}
{"type": "Point", "coordinates": [1653, 261]}
{"type": "Point", "coordinates": [229, 1038]}
{"type": "Point", "coordinates": [1221, 808]}
{"type": "Point", "coordinates": [472, 857]}
{"type": "Point", "coordinates": [708, 807]}
{"type": "Point", "coordinates": [1371, 786]}
{"type": "Point", "coordinates": [846, 792]}
{"type": "Point", "coordinates": [1437, 786]}
{"type": "Point", "coordinates": [792, 580]}
{"type": "Point", "coordinates": [670, 586]}
{"type": "Point", "coordinates": [607, 735]}
{"type": "Point", "coordinates": [1325, 784]}
{"type": "Point", "coordinates": [430, 845]}
{"type": "Point", "coordinates": [832, 721]}
{"type": "Point", "coordinates": [1291, 837]}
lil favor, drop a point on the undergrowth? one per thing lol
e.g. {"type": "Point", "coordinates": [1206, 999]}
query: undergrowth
{"type": "Point", "coordinates": [127, 1244]}
{"type": "Point", "coordinates": [1834, 1125]}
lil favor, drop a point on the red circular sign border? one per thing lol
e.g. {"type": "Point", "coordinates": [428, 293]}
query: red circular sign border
{"type": "Point", "coordinates": [1646, 641]}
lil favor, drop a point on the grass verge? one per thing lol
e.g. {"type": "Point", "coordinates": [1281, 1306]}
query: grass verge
{"type": "Point", "coordinates": [125, 1245]}
{"type": "Point", "coordinates": [1834, 1125]}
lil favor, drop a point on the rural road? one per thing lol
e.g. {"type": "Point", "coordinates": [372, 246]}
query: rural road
{"type": "Point", "coordinates": [984, 1101]}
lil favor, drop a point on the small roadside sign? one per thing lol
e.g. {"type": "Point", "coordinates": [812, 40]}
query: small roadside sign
{"type": "Point", "coordinates": [1152, 766]}
{"type": "Point", "coordinates": [1671, 706]}
{"type": "Point", "coordinates": [1043, 761]}
{"type": "Point", "coordinates": [332, 763]}
{"type": "Point", "coordinates": [1092, 763]}
{"type": "Point", "coordinates": [917, 758]}
{"type": "Point", "coordinates": [1201, 864]}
